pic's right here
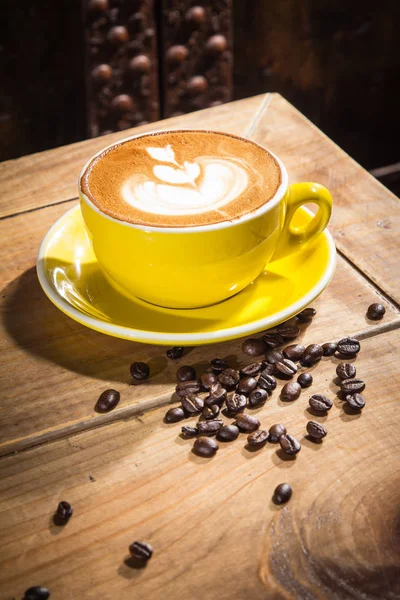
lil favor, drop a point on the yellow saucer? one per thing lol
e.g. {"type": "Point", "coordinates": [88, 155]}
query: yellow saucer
{"type": "Point", "coordinates": [72, 279]}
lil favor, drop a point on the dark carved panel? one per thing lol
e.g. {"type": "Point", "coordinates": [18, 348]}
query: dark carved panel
{"type": "Point", "coordinates": [197, 51]}
{"type": "Point", "coordinates": [122, 69]}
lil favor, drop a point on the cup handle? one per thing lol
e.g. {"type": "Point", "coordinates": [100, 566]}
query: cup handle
{"type": "Point", "coordinates": [293, 238]}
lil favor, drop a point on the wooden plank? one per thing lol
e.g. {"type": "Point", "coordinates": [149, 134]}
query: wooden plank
{"type": "Point", "coordinates": [50, 177]}
{"type": "Point", "coordinates": [212, 524]}
{"type": "Point", "coordinates": [54, 369]}
{"type": "Point", "coordinates": [366, 215]}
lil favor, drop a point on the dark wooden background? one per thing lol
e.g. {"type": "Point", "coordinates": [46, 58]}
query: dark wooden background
{"type": "Point", "coordinates": [338, 62]}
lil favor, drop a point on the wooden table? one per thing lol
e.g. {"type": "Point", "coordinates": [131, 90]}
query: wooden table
{"type": "Point", "coordinates": [215, 531]}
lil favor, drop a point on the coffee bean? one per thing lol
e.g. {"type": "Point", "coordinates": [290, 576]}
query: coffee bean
{"type": "Point", "coordinates": [275, 432]}
{"type": "Point", "coordinates": [192, 404]}
{"type": "Point", "coordinates": [329, 348]}
{"type": "Point", "coordinates": [268, 369]}
{"type": "Point", "coordinates": [107, 401]}
{"type": "Point", "coordinates": [173, 415]}
{"type": "Point", "coordinates": [205, 446]}
{"type": "Point", "coordinates": [258, 397]}
{"type": "Point", "coordinates": [258, 438]}
{"type": "Point", "coordinates": [235, 403]}
{"type": "Point", "coordinates": [37, 593]}
{"type": "Point", "coordinates": [267, 382]}
{"type": "Point", "coordinates": [247, 422]}
{"type": "Point", "coordinates": [288, 332]}
{"type": "Point", "coordinates": [186, 373]}
{"type": "Point", "coordinates": [375, 311]}
{"type": "Point", "coordinates": [228, 433]}
{"type": "Point", "coordinates": [247, 385]}
{"type": "Point", "coordinates": [294, 352]}
{"type": "Point", "coordinates": [229, 378]}
{"type": "Point", "coordinates": [175, 352]}
{"type": "Point", "coordinates": [320, 403]}
{"type": "Point", "coordinates": [355, 401]}
{"type": "Point", "coordinates": [217, 395]}
{"type": "Point", "coordinates": [306, 315]}
{"type": "Point", "coordinates": [289, 444]}
{"type": "Point", "coordinates": [253, 347]}
{"type": "Point", "coordinates": [283, 493]}
{"type": "Point", "coordinates": [285, 368]}
{"type": "Point", "coordinates": [274, 356]}
{"type": "Point", "coordinates": [210, 412]}
{"type": "Point", "coordinates": [187, 387]}
{"type": "Point", "coordinates": [140, 371]}
{"type": "Point", "coordinates": [291, 391]}
{"type": "Point", "coordinates": [312, 354]}
{"type": "Point", "coordinates": [209, 427]}
{"type": "Point", "coordinates": [346, 371]}
{"type": "Point", "coordinates": [348, 347]}
{"type": "Point", "coordinates": [208, 379]}
{"type": "Point", "coordinates": [218, 365]}
{"type": "Point", "coordinates": [141, 550]}
{"type": "Point", "coordinates": [188, 431]}
{"type": "Point", "coordinates": [316, 430]}
{"type": "Point", "coordinates": [252, 369]}
{"type": "Point", "coordinates": [63, 513]}
{"type": "Point", "coordinates": [352, 386]}
{"type": "Point", "coordinates": [273, 340]}
{"type": "Point", "coordinates": [305, 380]}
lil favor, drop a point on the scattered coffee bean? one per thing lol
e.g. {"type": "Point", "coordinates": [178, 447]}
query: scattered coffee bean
{"type": "Point", "coordinates": [188, 431]}
{"type": "Point", "coordinates": [209, 427]}
{"type": "Point", "coordinates": [273, 340]}
{"type": "Point", "coordinates": [285, 368]}
{"type": "Point", "coordinates": [107, 401]}
{"type": "Point", "coordinates": [375, 311]}
{"type": "Point", "coordinates": [210, 412]}
{"type": "Point", "coordinates": [320, 403]}
{"type": "Point", "coordinates": [236, 402]}
{"type": "Point", "coordinates": [355, 401]}
{"type": "Point", "coordinates": [274, 356]}
{"type": "Point", "coordinates": [352, 386]}
{"type": "Point", "coordinates": [37, 593]}
{"type": "Point", "coordinates": [252, 369]}
{"type": "Point", "coordinates": [186, 373]}
{"type": "Point", "coordinates": [218, 365]}
{"type": "Point", "coordinates": [205, 446]}
{"type": "Point", "coordinates": [228, 433]}
{"type": "Point", "coordinates": [187, 387]}
{"type": "Point", "coordinates": [247, 422]}
{"type": "Point", "coordinates": [288, 332]}
{"type": "Point", "coordinates": [267, 382]}
{"type": "Point", "coordinates": [305, 380]}
{"type": "Point", "coordinates": [173, 415]}
{"type": "Point", "coordinates": [139, 371]}
{"type": "Point", "coordinates": [258, 397]}
{"type": "Point", "coordinates": [346, 371]}
{"type": "Point", "coordinates": [348, 347]}
{"type": "Point", "coordinates": [316, 430]}
{"type": "Point", "coordinates": [275, 432]}
{"type": "Point", "coordinates": [283, 493]}
{"type": "Point", "coordinates": [253, 347]}
{"type": "Point", "coordinates": [289, 444]}
{"type": "Point", "coordinates": [312, 354]}
{"type": "Point", "coordinates": [246, 385]}
{"type": "Point", "coordinates": [192, 404]}
{"type": "Point", "coordinates": [268, 369]}
{"type": "Point", "coordinates": [329, 348]}
{"type": "Point", "coordinates": [63, 513]}
{"type": "Point", "coordinates": [229, 378]}
{"type": "Point", "coordinates": [208, 379]}
{"type": "Point", "coordinates": [217, 395]}
{"type": "Point", "coordinates": [306, 315]}
{"type": "Point", "coordinates": [258, 438]}
{"type": "Point", "coordinates": [141, 550]}
{"type": "Point", "coordinates": [291, 391]}
{"type": "Point", "coordinates": [294, 352]}
{"type": "Point", "coordinates": [175, 352]}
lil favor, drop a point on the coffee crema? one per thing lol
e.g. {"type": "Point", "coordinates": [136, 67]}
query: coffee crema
{"type": "Point", "coordinates": [181, 178]}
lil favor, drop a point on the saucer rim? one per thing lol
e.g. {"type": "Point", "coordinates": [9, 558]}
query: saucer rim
{"type": "Point", "coordinates": [188, 339]}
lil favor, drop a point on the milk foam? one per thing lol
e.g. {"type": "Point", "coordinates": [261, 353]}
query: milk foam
{"type": "Point", "coordinates": [207, 183]}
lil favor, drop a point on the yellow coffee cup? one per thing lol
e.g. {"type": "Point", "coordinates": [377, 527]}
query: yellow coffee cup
{"type": "Point", "coordinates": [190, 267]}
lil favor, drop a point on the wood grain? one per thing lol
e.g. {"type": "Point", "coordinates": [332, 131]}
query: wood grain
{"type": "Point", "coordinates": [212, 524]}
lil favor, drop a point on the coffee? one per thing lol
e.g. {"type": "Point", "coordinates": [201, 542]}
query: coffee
{"type": "Point", "coordinates": [181, 179]}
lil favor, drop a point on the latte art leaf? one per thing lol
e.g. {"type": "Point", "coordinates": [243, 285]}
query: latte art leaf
{"type": "Point", "coordinates": [162, 154]}
{"type": "Point", "coordinates": [175, 176]}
